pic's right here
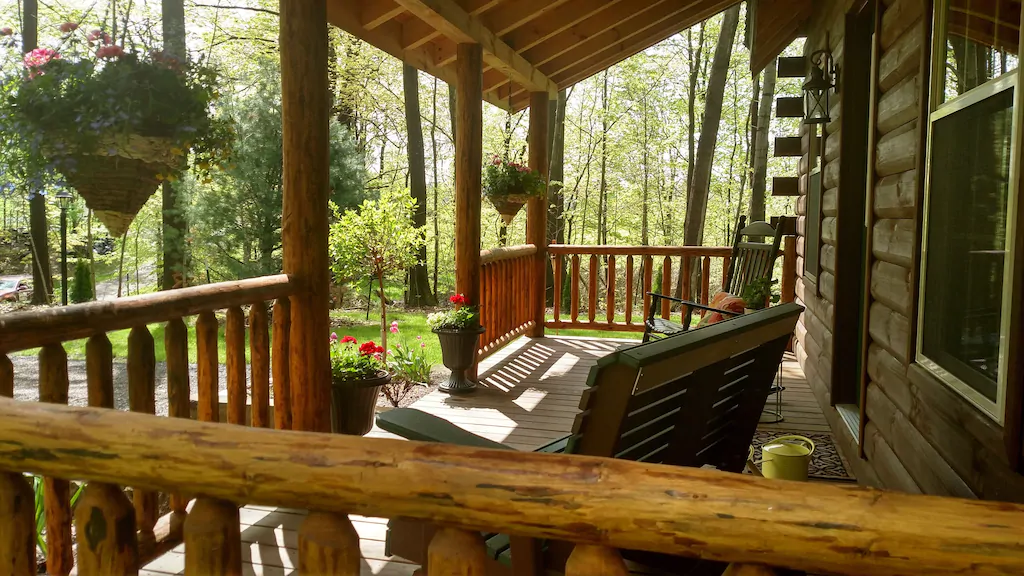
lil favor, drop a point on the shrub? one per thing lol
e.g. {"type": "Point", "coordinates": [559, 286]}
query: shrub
{"type": "Point", "coordinates": [81, 286]}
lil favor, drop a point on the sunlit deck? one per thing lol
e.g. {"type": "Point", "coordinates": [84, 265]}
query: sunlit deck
{"type": "Point", "coordinates": [529, 396]}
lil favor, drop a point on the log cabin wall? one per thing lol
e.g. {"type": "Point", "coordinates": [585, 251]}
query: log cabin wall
{"type": "Point", "coordinates": [919, 435]}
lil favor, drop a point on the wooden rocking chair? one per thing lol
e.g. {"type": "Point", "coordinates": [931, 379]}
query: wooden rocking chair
{"type": "Point", "coordinates": [749, 261]}
{"type": "Point", "coordinates": [693, 400]}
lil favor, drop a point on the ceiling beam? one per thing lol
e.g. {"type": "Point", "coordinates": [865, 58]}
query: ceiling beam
{"type": "Point", "coordinates": [453, 21]}
{"type": "Point", "coordinates": [419, 32]}
{"type": "Point", "coordinates": [374, 13]}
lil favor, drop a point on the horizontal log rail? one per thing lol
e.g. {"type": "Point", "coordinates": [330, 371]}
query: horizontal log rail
{"type": "Point", "coordinates": [506, 295]}
{"type": "Point", "coordinates": [35, 328]}
{"type": "Point", "coordinates": [49, 329]}
{"type": "Point", "coordinates": [601, 504]}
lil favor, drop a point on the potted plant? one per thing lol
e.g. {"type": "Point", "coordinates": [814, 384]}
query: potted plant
{"type": "Point", "coordinates": [757, 294]}
{"type": "Point", "coordinates": [459, 331]}
{"type": "Point", "coordinates": [114, 124]}
{"type": "Point", "coordinates": [508, 185]}
{"type": "Point", "coordinates": [358, 371]}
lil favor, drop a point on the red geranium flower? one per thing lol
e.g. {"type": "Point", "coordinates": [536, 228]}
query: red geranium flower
{"type": "Point", "coordinates": [349, 340]}
{"type": "Point", "coordinates": [458, 299]}
{"type": "Point", "coordinates": [368, 348]}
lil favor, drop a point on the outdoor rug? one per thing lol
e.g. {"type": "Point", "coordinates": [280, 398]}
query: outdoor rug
{"type": "Point", "coordinates": [826, 463]}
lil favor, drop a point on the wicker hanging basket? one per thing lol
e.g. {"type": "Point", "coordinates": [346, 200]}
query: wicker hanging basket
{"type": "Point", "coordinates": [509, 205]}
{"type": "Point", "coordinates": [119, 175]}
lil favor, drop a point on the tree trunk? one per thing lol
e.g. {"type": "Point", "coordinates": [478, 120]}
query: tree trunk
{"type": "Point", "coordinates": [697, 197]}
{"type": "Point", "coordinates": [383, 313]}
{"type": "Point", "coordinates": [173, 224]}
{"type": "Point", "coordinates": [92, 252]}
{"type": "Point", "coordinates": [759, 181]}
{"type": "Point", "coordinates": [602, 206]}
{"type": "Point", "coordinates": [419, 280]}
{"type": "Point", "coordinates": [644, 232]}
{"type": "Point", "coordinates": [556, 172]}
{"type": "Point", "coordinates": [42, 279]}
{"type": "Point", "coordinates": [433, 172]}
{"type": "Point", "coordinates": [691, 98]}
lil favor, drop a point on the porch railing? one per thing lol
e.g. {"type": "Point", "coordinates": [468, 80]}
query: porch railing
{"type": "Point", "coordinates": [506, 294]}
{"type": "Point", "coordinates": [50, 329]}
{"type": "Point", "coordinates": [601, 505]}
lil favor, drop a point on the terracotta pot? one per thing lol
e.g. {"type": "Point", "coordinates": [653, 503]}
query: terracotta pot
{"type": "Point", "coordinates": [354, 403]}
{"type": "Point", "coordinates": [508, 205]}
{"type": "Point", "coordinates": [458, 353]}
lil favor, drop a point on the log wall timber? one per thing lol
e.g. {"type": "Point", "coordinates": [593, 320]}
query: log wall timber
{"type": "Point", "coordinates": [634, 505]}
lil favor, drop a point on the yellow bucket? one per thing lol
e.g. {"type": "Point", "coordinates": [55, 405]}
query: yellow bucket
{"type": "Point", "coordinates": [787, 457]}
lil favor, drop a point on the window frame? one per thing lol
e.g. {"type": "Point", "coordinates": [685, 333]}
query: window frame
{"type": "Point", "coordinates": [937, 111]}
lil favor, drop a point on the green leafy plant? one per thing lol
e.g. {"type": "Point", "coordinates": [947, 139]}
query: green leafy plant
{"type": "Point", "coordinates": [504, 177]}
{"type": "Point", "coordinates": [93, 93]}
{"type": "Point", "coordinates": [378, 239]}
{"type": "Point", "coordinates": [81, 286]}
{"type": "Point", "coordinates": [40, 508]}
{"type": "Point", "coordinates": [461, 317]}
{"type": "Point", "coordinates": [758, 293]}
{"type": "Point", "coordinates": [351, 360]}
{"type": "Point", "coordinates": [409, 367]}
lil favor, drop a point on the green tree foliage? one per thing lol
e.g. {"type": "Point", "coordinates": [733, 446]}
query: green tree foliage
{"type": "Point", "coordinates": [237, 214]}
{"type": "Point", "coordinates": [379, 240]}
{"type": "Point", "coordinates": [81, 286]}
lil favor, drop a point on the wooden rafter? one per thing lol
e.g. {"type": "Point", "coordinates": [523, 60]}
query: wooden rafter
{"type": "Point", "coordinates": [453, 21]}
{"type": "Point", "coordinates": [375, 13]}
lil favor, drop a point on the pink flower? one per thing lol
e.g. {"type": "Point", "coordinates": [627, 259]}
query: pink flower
{"type": "Point", "coordinates": [6, 31]}
{"type": "Point", "coordinates": [496, 160]}
{"type": "Point", "coordinates": [109, 51]}
{"type": "Point", "coordinates": [394, 327]}
{"type": "Point", "coordinates": [334, 337]}
{"type": "Point", "coordinates": [40, 56]}
{"type": "Point", "coordinates": [68, 27]}
{"type": "Point", "coordinates": [98, 35]}
{"type": "Point", "coordinates": [422, 345]}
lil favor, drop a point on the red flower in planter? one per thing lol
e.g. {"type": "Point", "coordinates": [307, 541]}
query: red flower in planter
{"type": "Point", "coordinates": [349, 340]}
{"type": "Point", "coordinates": [459, 299]}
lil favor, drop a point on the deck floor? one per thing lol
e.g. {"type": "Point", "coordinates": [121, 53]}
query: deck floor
{"type": "Point", "coordinates": [529, 396]}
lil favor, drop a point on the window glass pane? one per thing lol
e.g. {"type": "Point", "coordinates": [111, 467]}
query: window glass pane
{"type": "Point", "coordinates": [969, 183]}
{"type": "Point", "coordinates": [982, 37]}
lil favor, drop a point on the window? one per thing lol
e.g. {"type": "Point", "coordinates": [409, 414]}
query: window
{"type": "Point", "coordinates": [965, 277]}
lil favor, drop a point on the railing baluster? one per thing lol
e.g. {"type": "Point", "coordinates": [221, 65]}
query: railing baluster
{"type": "Point", "coordinates": [648, 282]}
{"type": "Point", "coordinates": [787, 288]}
{"type": "Point", "coordinates": [610, 292]}
{"type": "Point", "coordinates": [259, 360]}
{"type": "Point", "coordinates": [455, 552]}
{"type": "Point", "coordinates": [208, 409]}
{"type": "Point", "coordinates": [666, 287]}
{"type": "Point", "coordinates": [279, 365]}
{"type": "Point", "coordinates": [705, 281]}
{"type": "Point", "coordinates": [587, 560]}
{"type": "Point", "coordinates": [53, 388]}
{"type": "Point", "coordinates": [574, 289]}
{"type": "Point", "coordinates": [556, 295]}
{"type": "Point", "coordinates": [629, 290]}
{"type": "Point", "coordinates": [329, 545]}
{"type": "Point", "coordinates": [725, 275]}
{"type": "Point", "coordinates": [105, 532]}
{"type": "Point", "coordinates": [142, 399]}
{"type": "Point", "coordinates": [99, 371]}
{"type": "Point", "coordinates": [234, 341]}
{"type": "Point", "coordinates": [18, 537]}
{"type": "Point", "coordinates": [592, 290]}
{"type": "Point", "coordinates": [685, 271]}
{"type": "Point", "coordinates": [176, 354]}
{"type": "Point", "coordinates": [213, 541]}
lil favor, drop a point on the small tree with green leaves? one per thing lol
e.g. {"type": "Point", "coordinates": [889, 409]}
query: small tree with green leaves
{"type": "Point", "coordinates": [81, 286]}
{"type": "Point", "coordinates": [377, 239]}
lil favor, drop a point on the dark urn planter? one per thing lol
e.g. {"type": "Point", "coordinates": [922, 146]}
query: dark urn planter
{"type": "Point", "coordinates": [458, 352]}
{"type": "Point", "coordinates": [354, 403]}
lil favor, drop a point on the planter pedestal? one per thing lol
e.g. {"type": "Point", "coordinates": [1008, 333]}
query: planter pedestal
{"type": "Point", "coordinates": [458, 352]}
{"type": "Point", "coordinates": [354, 404]}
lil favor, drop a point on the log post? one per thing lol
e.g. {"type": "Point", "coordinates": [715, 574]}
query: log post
{"type": "Point", "coordinates": [328, 544]}
{"type": "Point", "coordinates": [234, 343]}
{"type": "Point", "coordinates": [208, 369]}
{"type": "Point", "coordinates": [455, 552]}
{"type": "Point", "coordinates": [468, 159]}
{"type": "Point", "coordinates": [788, 288]}
{"type": "Point", "coordinates": [280, 365]}
{"type": "Point", "coordinates": [259, 358]}
{"type": "Point", "coordinates": [176, 353]}
{"type": "Point", "coordinates": [305, 110]}
{"type": "Point", "coordinates": [556, 302]}
{"type": "Point", "coordinates": [213, 541]}
{"type": "Point", "coordinates": [142, 399]}
{"type": "Point", "coordinates": [537, 210]}
{"type": "Point", "coordinates": [53, 388]}
{"type": "Point", "coordinates": [17, 510]}
{"type": "Point", "coordinates": [588, 560]}
{"type": "Point", "coordinates": [99, 371]}
{"type": "Point", "coordinates": [105, 532]}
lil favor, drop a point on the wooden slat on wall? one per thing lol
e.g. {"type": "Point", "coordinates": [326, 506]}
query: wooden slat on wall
{"type": "Point", "coordinates": [792, 67]}
{"type": "Point", "coordinates": [787, 146]}
{"type": "Point", "coordinates": [789, 107]}
{"type": "Point", "coordinates": [785, 186]}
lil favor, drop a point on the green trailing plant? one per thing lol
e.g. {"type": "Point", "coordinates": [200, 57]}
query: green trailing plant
{"type": "Point", "coordinates": [758, 293]}
{"type": "Point", "coordinates": [40, 509]}
{"type": "Point", "coordinates": [81, 286]}
{"type": "Point", "coordinates": [461, 317]}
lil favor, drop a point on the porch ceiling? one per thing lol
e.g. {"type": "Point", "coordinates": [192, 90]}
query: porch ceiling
{"type": "Point", "coordinates": [529, 45]}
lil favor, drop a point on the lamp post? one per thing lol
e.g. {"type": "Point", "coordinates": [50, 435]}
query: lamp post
{"type": "Point", "coordinates": [63, 199]}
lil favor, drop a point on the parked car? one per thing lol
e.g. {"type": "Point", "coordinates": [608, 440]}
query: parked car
{"type": "Point", "coordinates": [15, 288]}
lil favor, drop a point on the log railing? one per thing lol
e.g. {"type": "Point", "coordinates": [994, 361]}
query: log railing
{"type": "Point", "coordinates": [50, 329]}
{"type": "Point", "coordinates": [603, 505]}
{"type": "Point", "coordinates": [608, 285]}
{"type": "Point", "coordinates": [506, 295]}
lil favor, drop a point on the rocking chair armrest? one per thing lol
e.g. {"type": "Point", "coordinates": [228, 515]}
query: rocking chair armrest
{"type": "Point", "coordinates": [413, 424]}
{"type": "Point", "coordinates": [688, 303]}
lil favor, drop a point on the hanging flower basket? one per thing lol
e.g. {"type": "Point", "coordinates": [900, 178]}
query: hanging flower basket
{"type": "Point", "coordinates": [508, 206]}
{"type": "Point", "coordinates": [119, 176]}
{"type": "Point", "coordinates": [509, 185]}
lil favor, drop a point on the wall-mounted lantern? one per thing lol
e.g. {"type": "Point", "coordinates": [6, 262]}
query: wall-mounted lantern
{"type": "Point", "coordinates": [824, 78]}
